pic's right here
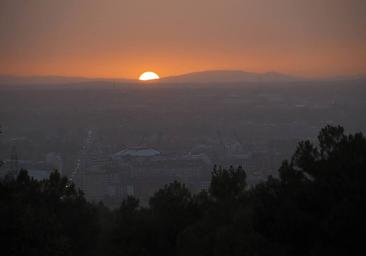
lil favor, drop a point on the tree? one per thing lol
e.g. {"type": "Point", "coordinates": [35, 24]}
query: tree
{"type": "Point", "coordinates": [45, 217]}
{"type": "Point", "coordinates": [315, 207]}
{"type": "Point", "coordinates": [227, 183]}
{"type": "Point", "coordinates": [172, 210]}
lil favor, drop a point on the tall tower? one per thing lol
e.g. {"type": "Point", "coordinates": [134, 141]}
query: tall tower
{"type": "Point", "coordinates": [1, 131]}
{"type": "Point", "coordinates": [14, 160]}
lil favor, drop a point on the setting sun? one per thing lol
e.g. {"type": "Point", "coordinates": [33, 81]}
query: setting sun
{"type": "Point", "coordinates": [148, 76]}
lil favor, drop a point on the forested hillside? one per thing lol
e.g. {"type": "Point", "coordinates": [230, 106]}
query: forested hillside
{"type": "Point", "coordinates": [316, 206]}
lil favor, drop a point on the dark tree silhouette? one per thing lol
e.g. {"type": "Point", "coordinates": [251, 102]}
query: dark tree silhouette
{"type": "Point", "coordinates": [226, 184]}
{"type": "Point", "coordinates": [316, 206]}
{"type": "Point", "coordinates": [45, 217]}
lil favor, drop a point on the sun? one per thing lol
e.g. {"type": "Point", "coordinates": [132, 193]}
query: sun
{"type": "Point", "coordinates": [149, 76]}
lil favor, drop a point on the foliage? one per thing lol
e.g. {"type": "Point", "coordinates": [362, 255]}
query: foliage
{"type": "Point", "coordinates": [315, 207]}
{"type": "Point", "coordinates": [45, 217]}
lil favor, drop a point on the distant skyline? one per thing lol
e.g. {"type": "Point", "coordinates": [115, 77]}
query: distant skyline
{"type": "Point", "coordinates": [122, 39]}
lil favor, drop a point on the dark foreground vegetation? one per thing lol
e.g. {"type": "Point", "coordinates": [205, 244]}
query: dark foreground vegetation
{"type": "Point", "coordinates": [315, 207]}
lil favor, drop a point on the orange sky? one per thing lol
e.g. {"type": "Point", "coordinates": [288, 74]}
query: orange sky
{"type": "Point", "coordinates": [123, 38]}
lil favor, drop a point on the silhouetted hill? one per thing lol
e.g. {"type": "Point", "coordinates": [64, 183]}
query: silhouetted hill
{"type": "Point", "coordinates": [210, 76]}
{"type": "Point", "coordinates": [53, 80]}
{"type": "Point", "coordinates": [219, 76]}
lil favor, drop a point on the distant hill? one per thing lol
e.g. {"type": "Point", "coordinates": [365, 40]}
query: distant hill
{"type": "Point", "coordinates": [52, 80]}
{"type": "Point", "coordinates": [210, 76]}
{"type": "Point", "coordinates": [219, 76]}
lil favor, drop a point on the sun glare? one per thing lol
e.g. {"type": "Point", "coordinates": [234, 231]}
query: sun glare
{"type": "Point", "coordinates": [148, 76]}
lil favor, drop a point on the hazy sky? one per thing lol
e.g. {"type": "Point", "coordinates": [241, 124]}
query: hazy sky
{"type": "Point", "coordinates": [122, 38]}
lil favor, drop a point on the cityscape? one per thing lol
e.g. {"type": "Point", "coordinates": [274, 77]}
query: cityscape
{"type": "Point", "coordinates": [114, 139]}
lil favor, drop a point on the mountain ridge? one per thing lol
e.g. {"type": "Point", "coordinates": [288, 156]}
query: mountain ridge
{"type": "Point", "coordinates": [219, 76]}
{"type": "Point", "coordinates": [208, 76]}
